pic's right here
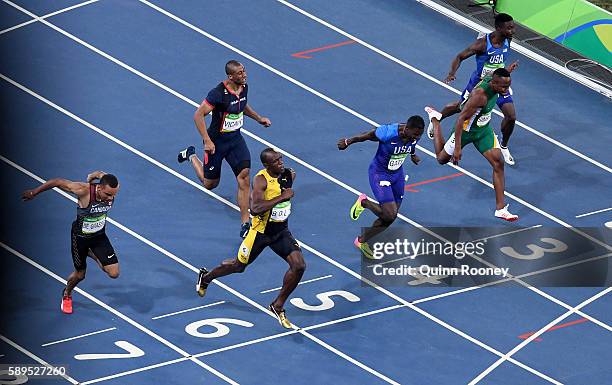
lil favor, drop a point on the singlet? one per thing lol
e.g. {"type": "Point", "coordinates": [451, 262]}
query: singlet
{"type": "Point", "coordinates": [490, 60]}
{"type": "Point", "coordinates": [273, 221]}
{"type": "Point", "coordinates": [91, 220]}
{"type": "Point", "coordinates": [482, 117]}
{"type": "Point", "coordinates": [227, 113]}
{"type": "Point", "coordinates": [392, 151]}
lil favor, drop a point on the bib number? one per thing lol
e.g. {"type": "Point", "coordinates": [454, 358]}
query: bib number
{"type": "Point", "coordinates": [396, 161]}
{"type": "Point", "coordinates": [490, 67]}
{"type": "Point", "coordinates": [483, 120]}
{"type": "Point", "coordinates": [93, 225]}
{"type": "Point", "coordinates": [280, 212]}
{"type": "Point", "coordinates": [233, 122]}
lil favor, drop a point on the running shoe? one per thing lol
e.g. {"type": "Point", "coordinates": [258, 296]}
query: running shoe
{"type": "Point", "coordinates": [186, 154]}
{"type": "Point", "coordinates": [357, 208]}
{"type": "Point", "coordinates": [507, 156]}
{"type": "Point", "coordinates": [365, 249]}
{"type": "Point", "coordinates": [432, 113]}
{"type": "Point", "coordinates": [282, 318]}
{"type": "Point", "coordinates": [506, 215]}
{"type": "Point", "coordinates": [244, 229]}
{"type": "Point", "coordinates": [201, 286]}
{"type": "Point", "coordinates": [66, 305]}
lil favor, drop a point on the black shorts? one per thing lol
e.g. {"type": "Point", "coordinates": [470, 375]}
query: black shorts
{"type": "Point", "coordinates": [99, 245]}
{"type": "Point", "coordinates": [234, 151]}
{"type": "Point", "coordinates": [282, 244]}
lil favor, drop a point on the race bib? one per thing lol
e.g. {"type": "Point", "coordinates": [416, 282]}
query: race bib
{"type": "Point", "coordinates": [489, 68]}
{"type": "Point", "coordinates": [483, 120]}
{"type": "Point", "coordinates": [396, 161]}
{"type": "Point", "coordinates": [232, 122]}
{"type": "Point", "coordinates": [93, 225]}
{"type": "Point", "coordinates": [280, 212]}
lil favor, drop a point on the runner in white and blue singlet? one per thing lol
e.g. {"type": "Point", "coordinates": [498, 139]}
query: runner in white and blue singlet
{"type": "Point", "coordinates": [386, 173]}
{"type": "Point", "coordinates": [491, 52]}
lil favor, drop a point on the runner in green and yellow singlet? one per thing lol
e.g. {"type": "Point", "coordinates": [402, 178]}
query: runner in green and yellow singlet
{"type": "Point", "coordinates": [472, 126]}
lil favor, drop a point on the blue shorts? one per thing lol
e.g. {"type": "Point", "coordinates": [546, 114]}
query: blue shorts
{"type": "Point", "coordinates": [234, 151]}
{"type": "Point", "coordinates": [503, 99]}
{"type": "Point", "coordinates": [387, 187]}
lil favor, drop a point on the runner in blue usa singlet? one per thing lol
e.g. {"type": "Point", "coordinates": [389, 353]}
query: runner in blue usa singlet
{"type": "Point", "coordinates": [491, 52]}
{"type": "Point", "coordinates": [386, 174]}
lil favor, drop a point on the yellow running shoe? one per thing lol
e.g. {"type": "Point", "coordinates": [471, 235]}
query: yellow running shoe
{"type": "Point", "coordinates": [357, 208]}
{"type": "Point", "coordinates": [201, 286]}
{"type": "Point", "coordinates": [282, 318]}
{"type": "Point", "coordinates": [365, 249]}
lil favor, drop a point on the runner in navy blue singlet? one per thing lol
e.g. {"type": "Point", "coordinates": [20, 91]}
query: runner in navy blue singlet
{"type": "Point", "coordinates": [491, 52]}
{"type": "Point", "coordinates": [386, 173]}
{"type": "Point", "coordinates": [227, 103]}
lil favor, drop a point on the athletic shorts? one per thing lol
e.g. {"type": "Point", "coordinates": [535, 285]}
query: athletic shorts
{"type": "Point", "coordinates": [99, 245]}
{"type": "Point", "coordinates": [387, 187]}
{"type": "Point", "coordinates": [234, 151]}
{"type": "Point", "coordinates": [253, 244]}
{"type": "Point", "coordinates": [483, 139]}
{"type": "Point", "coordinates": [501, 100]}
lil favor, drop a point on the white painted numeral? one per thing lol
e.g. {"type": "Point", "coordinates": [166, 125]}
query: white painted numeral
{"type": "Point", "coordinates": [326, 301]}
{"type": "Point", "coordinates": [423, 279]}
{"type": "Point", "coordinates": [132, 352]}
{"type": "Point", "coordinates": [217, 323]}
{"type": "Point", "coordinates": [536, 251]}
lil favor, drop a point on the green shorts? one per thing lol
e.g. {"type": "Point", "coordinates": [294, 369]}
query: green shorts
{"type": "Point", "coordinates": [484, 139]}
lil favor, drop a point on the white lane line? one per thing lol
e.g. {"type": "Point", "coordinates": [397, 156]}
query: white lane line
{"type": "Point", "coordinates": [305, 246]}
{"type": "Point", "coordinates": [594, 212]}
{"type": "Point", "coordinates": [241, 344]}
{"type": "Point", "coordinates": [34, 357]}
{"type": "Point", "coordinates": [524, 275]}
{"type": "Point", "coordinates": [77, 337]}
{"type": "Point", "coordinates": [188, 310]}
{"type": "Point", "coordinates": [34, 20]}
{"type": "Point", "coordinates": [537, 334]}
{"type": "Point", "coordinates": [119, 314]}
{"type": "Point", "coordinates": [298, 160]}
{"type": "Point", "coordinates": [440, 83]}
{"type": "Point", "coordinates": [356, 114]}
{"type": "Point", "coordinates": [301, 282]}
{"type": "Point", "coordinates": [520, 48]}
{"type": "Point", "coordinates": [196, 270]}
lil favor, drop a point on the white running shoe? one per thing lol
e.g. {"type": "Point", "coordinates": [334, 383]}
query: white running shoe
{"type": "Point", "coordinates": [506, 215]}
{"type": "Point", "coordinates": [432, 113]}
{"type": "Point", "coordinates": [507, 156]}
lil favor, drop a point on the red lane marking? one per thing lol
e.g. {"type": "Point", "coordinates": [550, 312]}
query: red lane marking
{"type": "Point", "coordinates": [408, 187]}
{"type": "Point", "coordinates": [578, 321]}
{"type": "Point", "coordinates": [302, 56]}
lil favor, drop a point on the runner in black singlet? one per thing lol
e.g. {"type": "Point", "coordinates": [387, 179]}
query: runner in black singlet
{"type": "Point", "coordinates": [87, 235]}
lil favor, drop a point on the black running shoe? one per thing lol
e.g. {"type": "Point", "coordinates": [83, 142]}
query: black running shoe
{"type": "Point", "coordinates": [186, 154]}
{"type": "Point", "coordinates": [201, 286]}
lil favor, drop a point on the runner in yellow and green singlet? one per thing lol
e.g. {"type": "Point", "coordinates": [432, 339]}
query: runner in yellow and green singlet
{"type": "Point", "coordinates": [473, 126]}
{"type": "Point", "coordinates": [270, 206]}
